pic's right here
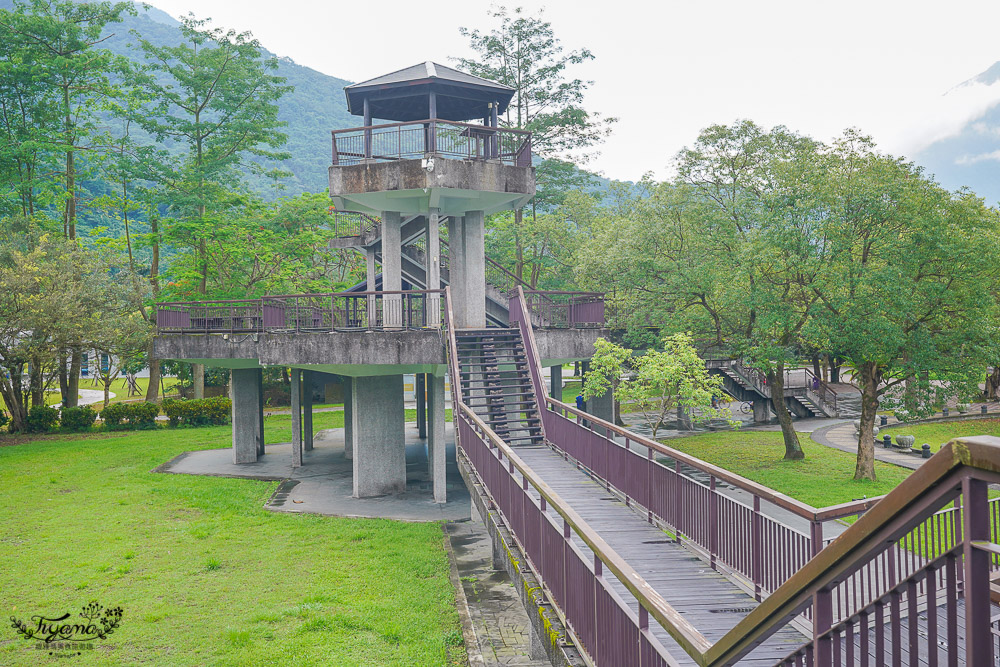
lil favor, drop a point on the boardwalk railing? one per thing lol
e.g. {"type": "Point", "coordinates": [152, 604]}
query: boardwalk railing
{"type": "Point", "coordinates": [410, 309]}
{"type": "Point", "coordinates": [431, 137]}
{"type": "Point", "coordinates": [909, 565]}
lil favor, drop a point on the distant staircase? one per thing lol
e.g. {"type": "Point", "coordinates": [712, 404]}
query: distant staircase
{"type": "Point", "coordinates": [496, 383]}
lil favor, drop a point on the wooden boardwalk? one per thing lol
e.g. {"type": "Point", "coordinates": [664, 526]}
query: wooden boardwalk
{"type": "Point", "coordinates": [708, 599]}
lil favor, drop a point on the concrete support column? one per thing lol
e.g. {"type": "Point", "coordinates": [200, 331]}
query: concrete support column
{"type": "Point", "coordinates": [296, 418]}
{"type": "Point", "coordinates": [379, 438]}
{"type": "Point", "coordinates": [471, 312]}
{"type": "Point", "coordinates": [350, 427]}
{"type": "Point", "coordinates": [456, 261]}
{"type": "Point", "coordinates": [761, 410]}
{"type": "Point", "coordinates": [370, 285]}
{"type": "Point", "coordinates": [392, 280]}
{"type": "Point", "coordinates": [420, 394]}
{"type": "Point", "coordinates": [433, 268]}
{"type": "Point", "coordinates": [244, 392]}
{"type": "Point", "coordinates": [307, 409]}
{"type": "Point", "coordinates": [684, 421]}
{"type": "Point", "coordinates": [603, 407]}
{"type": "Point", "coordinates": [435, 440]}
{"type": "Point", "coordinates": [556, 382]}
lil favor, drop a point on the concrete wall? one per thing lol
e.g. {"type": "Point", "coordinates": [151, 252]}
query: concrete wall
{"type": "Point", "coordinates": [453, 186]}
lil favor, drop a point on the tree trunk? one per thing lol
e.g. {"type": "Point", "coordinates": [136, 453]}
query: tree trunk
{"type": "Point", "coordinates": [63, 378]}
{"type": "Point", "coordinates": [35, 384]}
{"type": "Point", "coordinates": [153, 390]}
{"type": "Point", "coordinates": [107, 392]}
{"type": "Point", "coordinates": [835, 369]}
{"type": "Point", "coordinates": [75, 362]}
{"type": "Point", "coordinates": [870, 377]}
{"type": "Point", "coordinates": [13, 396]}
{"type": "Point", "coordinates": [776, 381]}
{"type": "Point", "coordinates": [993, 383]}
{"type": "Point", "coordinates": [198, 380]}
{"type": "Point", "coordinates": [817, 370]}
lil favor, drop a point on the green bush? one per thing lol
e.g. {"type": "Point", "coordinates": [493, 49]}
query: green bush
{"type": "Point", "coordinates": [3, 419]}
{"type": "Point", "coordinates": [78, 419]}
{"type": "Point", "coordinates": [198, 412]}
{"type": "Point", "coordinates": [130, 416]}
{"type": "Point", "coordinates": [41, 419]}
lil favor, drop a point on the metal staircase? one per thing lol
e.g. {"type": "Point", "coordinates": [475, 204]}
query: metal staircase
{"type": "Point", "coordinates": [496, 383]}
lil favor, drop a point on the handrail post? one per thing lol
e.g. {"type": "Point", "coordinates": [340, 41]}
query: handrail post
{"type": "Point", "coordinates": [713, 521]}
{"type": "Point", "coordinates": [756, 550]}
{"type": "Point", "coordinates": [822, 621]}
{"type": "Point", "coordinates": [678, 500]}
{"type": "Point", "coordinates": [976, 526]}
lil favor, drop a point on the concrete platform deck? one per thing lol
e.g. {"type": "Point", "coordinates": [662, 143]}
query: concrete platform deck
{"type": "Point", "coordinates": [324, 483]}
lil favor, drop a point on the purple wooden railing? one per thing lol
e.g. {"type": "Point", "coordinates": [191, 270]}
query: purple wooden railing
{"type": "Point", "coordinates": [565, 309]}
{"type": "Point", "coordinates": [431, 137]}
{"type": "Point", "coordinates": [410, 309]}
{"type": "Point", "coordinates": [908, 548]}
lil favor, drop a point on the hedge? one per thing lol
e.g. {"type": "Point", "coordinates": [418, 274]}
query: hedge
{"type": "Point", "coordinates": [41, 419]}
{"type": "Point", "coordinates": [78, 419]}
{"type": "Point", "coordinates": [198, 412]}
{"type": "Point", "coordinates": [130, 416]}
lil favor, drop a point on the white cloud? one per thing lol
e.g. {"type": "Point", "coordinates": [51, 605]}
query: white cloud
{"type": "Point", "coordinates": [982, 157]}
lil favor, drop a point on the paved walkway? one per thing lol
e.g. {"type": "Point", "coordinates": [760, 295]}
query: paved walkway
{"type": "Point", "coordinates": [499, 621]}
{"type": "Point", "coordinates": [324, 483]}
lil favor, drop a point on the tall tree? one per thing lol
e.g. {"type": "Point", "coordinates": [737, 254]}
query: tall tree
{"type": "Point", "coordinates": [217, 96]}
{"type": "Point", "coordinates": [904, 294]}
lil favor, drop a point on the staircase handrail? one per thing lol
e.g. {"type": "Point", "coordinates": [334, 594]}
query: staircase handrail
{"type": "Point", "coordinates": [367, 225]}
{"type": "Point", "coordinates": [962, 467]}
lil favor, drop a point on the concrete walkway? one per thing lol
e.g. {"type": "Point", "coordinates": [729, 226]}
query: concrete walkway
{"type": "Point", "coordinates": [324, 483]}
{"type": "Point", "coordinates": [844, 438]}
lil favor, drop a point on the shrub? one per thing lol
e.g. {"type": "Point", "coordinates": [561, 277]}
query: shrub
{"type": "Point", "coordinates": [113, 415]}
{"type": "Point", "coordinates": [3, 419]}
{"type": "Point", "coordinates": [130, 416]}
{"type": "Point", "coordinates": [41, 419]}
{"type": "Point", "coordinates": [78, 419]}
{"type": "Point", "coordinates": [198, 412]}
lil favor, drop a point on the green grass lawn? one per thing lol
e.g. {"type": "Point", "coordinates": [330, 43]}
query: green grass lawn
{"type": "Point", "coordinates": [204, 574]}
{"type": "Point", "coordinates": [937, 434]}
{"type": "Point", "coordinates": [823, 478]}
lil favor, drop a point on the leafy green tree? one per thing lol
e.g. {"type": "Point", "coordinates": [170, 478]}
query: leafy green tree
{"type": "Point", "coordinates": [657, 383]}
{"type": "Point", "coordinates": [215, 95]}
{"type": "Point", "coordinates": [60, 39]}
{"type": "Point", "coordinates": [903, 294]}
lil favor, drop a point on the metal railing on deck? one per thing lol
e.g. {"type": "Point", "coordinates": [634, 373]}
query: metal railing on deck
{"type": "Point", "coordinates": [423, 138]}
{"type": "Point", "coordinates": [408, 309]}
{"type": "Point", "coordinates": [565, 309]}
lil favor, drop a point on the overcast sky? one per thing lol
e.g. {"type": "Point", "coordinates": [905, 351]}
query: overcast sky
{"type": "Point", "coordinates": [669, 68]}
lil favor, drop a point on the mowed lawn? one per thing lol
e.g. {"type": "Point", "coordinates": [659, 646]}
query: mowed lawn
{"type": "Point", "coordinates": [823, 478]}
{"type": "Point", "coordinates": [204, 574]}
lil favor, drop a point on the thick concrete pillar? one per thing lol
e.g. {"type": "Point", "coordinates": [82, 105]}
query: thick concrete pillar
{"type": "Point", "coordinates": [370, 285]}
{"type": "Point", "coordinates": [684, 421]}
{"type": "Point", "coordinates": [379, 438]}
{"type": "Point", "coordinates": [420, 394]}
{"type": "Point", "coordinates": [556, 382]}
{"type": "Point", "coordinates": [350, 426]}
{"type": "Point", "coordinates": [471, 312]}
{"type": "Point", "coordinates": [761, 410]}
{"type": "Point", "coordinates": [296, 418]}
{"type": "Point", "coordinates": [392, 280]}
{"type": "Point", "coordinates": [602, 407]}
{"type": "Point", "coordinates": [435, 441]}
{"type": "Point", "coordinates": [244, 391]}
{"type": "Point", "coordinates": [456, 261]}
{"type": "Point", "coordinates": [197, 380]}
{"type": "Point", "coordinates": [433, 268]}
{"type": "Point", "coordinates": [307, 409]}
